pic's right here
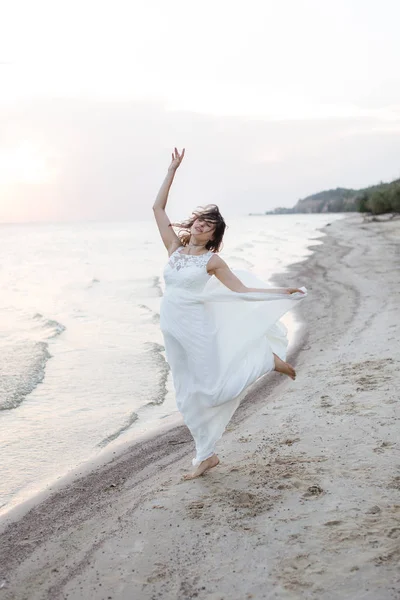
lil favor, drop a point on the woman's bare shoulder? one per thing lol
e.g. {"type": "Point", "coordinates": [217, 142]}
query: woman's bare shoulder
{"type": "Point", "coordinates": [215, 262]}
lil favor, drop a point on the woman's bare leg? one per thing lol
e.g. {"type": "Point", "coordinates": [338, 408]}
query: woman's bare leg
{"type": "Point", "coordinates": [283, 367]}
{"type": "Point", "coordinates": [204, 466]}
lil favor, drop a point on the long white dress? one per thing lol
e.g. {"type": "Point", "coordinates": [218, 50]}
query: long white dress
{"type": "Point", "coordinates": [217, 342]}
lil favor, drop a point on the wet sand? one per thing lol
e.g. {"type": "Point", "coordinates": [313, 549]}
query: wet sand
{"type": "Point", "coordinates": [306, 500]}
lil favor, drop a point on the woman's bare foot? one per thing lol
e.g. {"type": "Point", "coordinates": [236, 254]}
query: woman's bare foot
{"type": "Point", "coordinates": [283, 367]}
{"type": "Point", "coordinates": [204, 466]}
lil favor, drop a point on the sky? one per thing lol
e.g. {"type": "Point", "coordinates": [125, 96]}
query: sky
{"type": "Point", "coordinates": [273, 100]}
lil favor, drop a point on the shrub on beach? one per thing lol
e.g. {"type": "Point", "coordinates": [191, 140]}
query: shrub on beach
{"type": "Point", "coordinates": [384, 198]}
{"type": "Point", "coordinates": [395, 197]}
{"type": "Point", "coordinates": [379, 202]}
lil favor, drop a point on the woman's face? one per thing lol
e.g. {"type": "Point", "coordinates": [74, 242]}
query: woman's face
{"type": "Point", "coordinates": [202, 229]}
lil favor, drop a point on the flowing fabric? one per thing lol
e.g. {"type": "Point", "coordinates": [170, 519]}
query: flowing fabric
{"type": "Point", "coordinates": [217, 342]}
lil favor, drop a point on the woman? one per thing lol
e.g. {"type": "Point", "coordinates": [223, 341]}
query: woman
{"type": "Point", "coordinates": [221, 333]}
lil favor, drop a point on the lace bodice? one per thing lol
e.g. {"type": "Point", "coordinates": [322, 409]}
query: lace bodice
{"type": "Point", "coordinates": [186, 271]}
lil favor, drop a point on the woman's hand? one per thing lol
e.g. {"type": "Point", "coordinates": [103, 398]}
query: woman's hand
{"type": "Point", "coordinates": [176, 160]}
{"type": "Point", "coordinates": [293, 291]}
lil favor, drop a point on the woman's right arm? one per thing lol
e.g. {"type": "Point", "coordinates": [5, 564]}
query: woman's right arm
{"type": "Point", "coordinates": [168, 235]}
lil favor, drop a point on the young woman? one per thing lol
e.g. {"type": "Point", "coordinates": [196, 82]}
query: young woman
{"type": "Point", "coordinates": [221, 333]}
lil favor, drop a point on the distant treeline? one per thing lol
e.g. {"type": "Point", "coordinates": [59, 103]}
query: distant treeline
{"type": "Point", "coordinates": [376, 199]}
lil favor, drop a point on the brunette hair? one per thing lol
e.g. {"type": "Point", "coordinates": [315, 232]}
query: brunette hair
{"type": "Point", "coordinates": [209, 213]}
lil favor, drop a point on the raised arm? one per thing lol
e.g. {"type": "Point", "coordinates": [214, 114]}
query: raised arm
{"type": "Point", "coordinates": [219, 268]}
{"type": "Point", "coordinates": [168, 235]}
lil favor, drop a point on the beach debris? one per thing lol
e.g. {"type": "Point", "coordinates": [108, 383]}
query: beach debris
{"type": "Point", "coordinates": [391, 556]}
{"type": "Point", "coordinates": [395, 484]}
{"type": "Point", "coordinates": [394, 532]}
{"type": "Point", "coordinates": [196, 505]}
{"type": "Point", "coordinates": [374, 510]}
{"type": "Point", "coordinates": [382, 447]}
{"type": "Point", "coordinates": [326, 401]}
{"type": "Point", "coordinates": [290, 441]}
{"type": "Point", "coordinates": [313, 490]}
{"type": "Point", "coordinates": [109, 487]}
{"type": "Point", "coordinates": [195, 509]}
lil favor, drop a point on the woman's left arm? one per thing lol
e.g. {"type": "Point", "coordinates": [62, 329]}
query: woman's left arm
{"type": "Point", "coordinates": [218, 267]}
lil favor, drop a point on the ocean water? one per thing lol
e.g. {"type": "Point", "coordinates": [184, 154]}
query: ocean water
{"type": "Point", "coordinates": [82, 363]}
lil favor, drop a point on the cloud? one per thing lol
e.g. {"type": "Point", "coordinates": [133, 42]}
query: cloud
{"type": "Point", "coordinates": [109, 158]}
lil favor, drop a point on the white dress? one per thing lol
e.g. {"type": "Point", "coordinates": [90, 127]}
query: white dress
{"type": "Point", "coordinates": [217, 342]}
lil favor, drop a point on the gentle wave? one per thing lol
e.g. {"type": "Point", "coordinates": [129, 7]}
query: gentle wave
{"type": "Point", "coordinates": [243, 247]}
{"type": "Point", "coordinates": [22, 368]}
{"type": "Point", "coordinates": [148, 287]}
{"type": "Point", "coordinates": [157, 285]}
{"type": "Point", "coordinates": [51, 327]}
{"type": "Point", "coordinates": [93, 282]}
{"type": "Point", "coordinates": [23, 362]}
{"type": "Point", "coordinates": [237, 261]}
{"type": "Point", "coordinates": [155, 316]}
{"type": "Point", "coordinates": [162, 368]}
{"type": "Point", "coordinates": [131, 419]}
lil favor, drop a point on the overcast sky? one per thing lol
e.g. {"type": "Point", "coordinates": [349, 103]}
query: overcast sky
{"type": "Point", "coordinates": [272, 99]}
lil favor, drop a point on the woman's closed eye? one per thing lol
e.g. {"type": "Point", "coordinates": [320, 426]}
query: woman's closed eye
{"type": "Point", "coordinates": [207, 223]}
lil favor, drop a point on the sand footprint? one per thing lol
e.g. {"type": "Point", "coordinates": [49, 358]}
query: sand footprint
{"type": "Point", "coordinates": [384, 446]}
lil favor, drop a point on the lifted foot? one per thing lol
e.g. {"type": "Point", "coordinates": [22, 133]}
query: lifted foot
{"type": "Point", "coordinates": [204, 466]}
{"type": "Point", "coordinates": [283, 367]}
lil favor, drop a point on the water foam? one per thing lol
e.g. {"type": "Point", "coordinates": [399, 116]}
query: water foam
{"type": "Point", "coordinates": [162, 367]}
{"type": "Point", "coordinates": [22, 368]}
{"type": "Point", "coordinates": [130, 421]}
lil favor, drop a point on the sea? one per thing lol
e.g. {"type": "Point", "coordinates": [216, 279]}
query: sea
{"type": "Point", "coordinates": [82, 363]}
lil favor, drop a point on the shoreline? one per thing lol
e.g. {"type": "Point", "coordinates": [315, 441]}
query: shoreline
{"type": "Point", "coordinates": [306, 496]}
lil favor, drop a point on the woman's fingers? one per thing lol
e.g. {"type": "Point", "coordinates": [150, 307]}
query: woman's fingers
{"type": "Point", "coordinates": [177, 155]}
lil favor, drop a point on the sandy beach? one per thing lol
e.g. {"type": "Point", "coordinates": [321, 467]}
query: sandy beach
{"type": "Point", "coordinates": [306, 500]}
